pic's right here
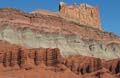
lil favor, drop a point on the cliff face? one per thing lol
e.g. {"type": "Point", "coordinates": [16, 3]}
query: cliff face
{"type": "Point", "coordinates": [34, 30]}
{"type": "Point", "coordinates": [14, 58]}
{"type": "Point", "coordinates": [19, 59]}
{"type": "Point", "coordinates": [42, 43]}
{"type": "Point", "coordinates": [84, 14]}
{"type": "Point", "coordinates": [85, 64]}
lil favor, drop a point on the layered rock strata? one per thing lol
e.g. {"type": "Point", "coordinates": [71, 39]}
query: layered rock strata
{"type": "Point", "coordinates": [14, 58]}
{"type": "Point", "coordinates": [34, 30]}
{"type": "Point", "coordinates": [45, 42]}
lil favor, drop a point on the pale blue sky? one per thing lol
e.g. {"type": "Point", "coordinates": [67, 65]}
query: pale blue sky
{"type": "Point", "coordinates": [109, 9]}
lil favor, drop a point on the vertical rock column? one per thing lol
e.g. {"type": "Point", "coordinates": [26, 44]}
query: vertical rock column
{"type": "Point", "coordinates": [7, 58]}
{"type": "Point", "coordinates": [32, 56]}
{"type": "Point", "coordinates": [49, 56]}
{"type": "Point", "coordinates": [53, 56]}
{"type": "Point", "coordinates": [1, 60]}
{"type": "Point", "coordinates": [97, 64]}
{"type": "Point", "coordinates": [14, 58]}
{"type": "Point", "coordinates": [23, 58]}
{"type": "Point", "coordinates": [40, 56]}
{"type": "Point", "coordinates": [57, 56]}
{"type": "Point", "coordinates": [37, 61]}
{"type": "Point", "coordinates": [26, 62]}
{"type": "Point", "coordinates": [92, 68]}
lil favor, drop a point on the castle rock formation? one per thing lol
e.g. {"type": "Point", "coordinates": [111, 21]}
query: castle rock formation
{"type": "Point", "coordinates": [86, 14]}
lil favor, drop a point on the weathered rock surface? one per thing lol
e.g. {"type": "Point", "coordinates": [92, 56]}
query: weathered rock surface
{"type": "Point", "coordinates": [102, 73]}
{"type": "Point", "coordinates": [85, 64]}
{"type": "Point", "coordinates": [37, 43]}
{"type": "Point", "coordinates": [85, 14]}
{"type": "Point", "coordinates": [34, 30]}
{"type": "Point", "coordinates": [14, 58]}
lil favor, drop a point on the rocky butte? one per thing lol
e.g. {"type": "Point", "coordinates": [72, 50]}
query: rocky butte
{"type": "Point", "coordinates": [84, 14]}
{"type": "Point", "coordinates": [67, 44]}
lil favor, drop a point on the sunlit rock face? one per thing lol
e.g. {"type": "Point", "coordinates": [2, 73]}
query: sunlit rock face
{"type": "Point", "coordinates": [37, 43]}
{"type": "Point", "coordinates": [14, 57]}
{"type": "Point", "coordinates": [84, 14]}
{"type": "Point", "coordinates": [18, 59]}
{"type": "Point", "coordinates": [35, 30]}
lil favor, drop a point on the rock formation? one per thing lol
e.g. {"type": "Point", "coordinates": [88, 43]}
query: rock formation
{"type": "Point", "coordinates": [84, 64]}
{"type": "Point", "coordinates": [85, 14]}
{"type": "Point", "coordinates": [13, 57]}
{"type": "Point", "coordinates": [65, 44]}
{"type": "Point", "coordinates": [34, 30]}
{"type": "Point", "coordinates": [29, 58]}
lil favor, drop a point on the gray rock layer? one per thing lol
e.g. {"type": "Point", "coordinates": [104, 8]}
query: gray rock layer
{"type": "Point", "coordinates": [68, 44]}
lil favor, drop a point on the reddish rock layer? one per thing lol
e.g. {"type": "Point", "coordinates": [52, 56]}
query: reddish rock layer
{"type": "Point", "coordinates": [84, 14]}
{"type": "Point", "coordinates": [18, 57]}
{"type": "Point", "coordinates": [84, 64]}
{"type": "Point", "coordinates": [14, 58]}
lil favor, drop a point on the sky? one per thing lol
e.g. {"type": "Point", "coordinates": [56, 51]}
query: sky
{"type": "Point", "coordinates": [109, 9]}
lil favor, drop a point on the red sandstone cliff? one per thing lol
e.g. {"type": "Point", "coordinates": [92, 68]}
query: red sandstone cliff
{"type": "Point", "coordinates": [85, 14]}
{"type": "Point", "coordinates": [18, 58]}
{"type": "Point", "coordinates": [15, 58]}
{"type": "Point", "coordinates": [42, 62]}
